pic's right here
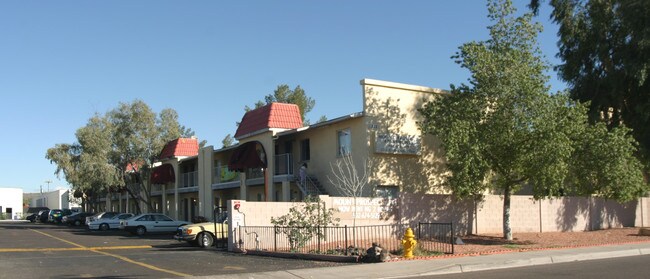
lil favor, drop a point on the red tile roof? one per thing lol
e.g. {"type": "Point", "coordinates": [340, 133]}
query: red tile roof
{"type": "Point", "coordinates": [274, 115]}
{"type": "Point", "coordinates": [180, 147]}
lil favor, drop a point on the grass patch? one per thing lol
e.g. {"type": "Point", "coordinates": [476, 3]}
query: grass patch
{"type": "Point", "coordinates": [512, 246]}
{"type": "Point", "coordinates": [418, 252]}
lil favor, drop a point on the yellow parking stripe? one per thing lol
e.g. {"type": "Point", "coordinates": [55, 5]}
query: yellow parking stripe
{"type": "Point", "coordinates": [143, 264]}
{"type": "Point", "coordinates": [4, 250]}
{"type": "Point", "coordinates": [60, 239]}
{"type": "Point", "coordinates": [98, 250]}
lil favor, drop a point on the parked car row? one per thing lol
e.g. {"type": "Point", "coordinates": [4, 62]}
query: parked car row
{"type": "Point", "coordinates": [48, 215]}
{"type": "Point", "coordinates": [202, 234]}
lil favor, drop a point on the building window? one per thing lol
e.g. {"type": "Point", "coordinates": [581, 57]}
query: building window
{"type": "Point", "coordinates": [387, 192]}
{"type": "Point", "coordinates": [304, 150]}
{"type": "Point", "coordinates": [344, 142]}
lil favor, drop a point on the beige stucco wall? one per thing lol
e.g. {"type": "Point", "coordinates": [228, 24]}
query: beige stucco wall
{"type": "Point", "coordinates": [392, 108]}
{"type": "Point", "coordinates": [323, 149]}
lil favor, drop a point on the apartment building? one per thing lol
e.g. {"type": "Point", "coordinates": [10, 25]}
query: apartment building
{"type": "Point", "coordinates": [383, 139]}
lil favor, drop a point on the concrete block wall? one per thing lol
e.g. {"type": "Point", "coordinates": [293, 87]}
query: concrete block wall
{"type": "Point", "coordinates": [643, 213]}
{"type": "Point", "coordinates": [489, 215]}
{"type": "Point", "coordinates": [525, 214]}
{"type": "Point", "coordinates": [415, 208]}
{"type": "Point", "coordinates": [485, 217]}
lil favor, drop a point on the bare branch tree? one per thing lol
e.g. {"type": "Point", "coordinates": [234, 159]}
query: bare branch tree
{"type": "Point", "coordinates": [350, 180]}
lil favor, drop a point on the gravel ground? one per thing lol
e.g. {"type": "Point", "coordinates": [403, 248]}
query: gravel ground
{"type": "Point", "coordinates": [486, 244]}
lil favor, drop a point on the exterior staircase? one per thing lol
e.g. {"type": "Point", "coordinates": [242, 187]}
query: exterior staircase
{"type": "Point", "coordinates": [312, 186]}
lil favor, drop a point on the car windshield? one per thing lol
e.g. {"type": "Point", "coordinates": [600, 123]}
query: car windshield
{"type": "Point", "coordinates": [123, 216]}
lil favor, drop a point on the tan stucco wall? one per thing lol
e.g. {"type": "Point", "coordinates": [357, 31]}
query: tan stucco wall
{"type": "Point", "coordinates": [392, 108]}
{"type": "Point", "coordinates": [323, 149]}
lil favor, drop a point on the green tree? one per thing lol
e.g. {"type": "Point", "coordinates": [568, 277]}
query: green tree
{"type": "Point", "coordinates": [604, 46]}
{"type": "Point", "coordinates": [85, 164]}
{"type": "Point", "coordinates": [117, 151]}
{"type": "Point", "coordinates": [227, 141]}
{"type": "Point", "coordinates": [504, 131]}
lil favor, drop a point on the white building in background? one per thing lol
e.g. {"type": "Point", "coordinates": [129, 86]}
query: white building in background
{"type": "Point", "coordinates": [11, 203]}
{"type": "Point", "coordinates": [57, 199]}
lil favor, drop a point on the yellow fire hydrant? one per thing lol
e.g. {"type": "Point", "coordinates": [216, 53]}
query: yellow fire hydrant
{"type": "Point", "coordinates": [409, 243]}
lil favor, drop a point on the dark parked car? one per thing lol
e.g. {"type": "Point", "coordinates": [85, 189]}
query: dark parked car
{"type": "Point", "coordinates": [42, 216]}
{"type": "Point", "coordinates": [76, 219]}
{"type": "Point", "coordinates": [32, 213]}
{"type": "Point", "coordinates": [56, 215]}
{"type": "Point", "coordinates": [36, 209]}
{"type": "Point", "coordinates": [31, 217]}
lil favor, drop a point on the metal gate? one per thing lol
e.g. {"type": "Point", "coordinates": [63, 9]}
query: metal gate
{"type": "Point", "coordinates": [438, 237]}
{"type": "Point", "coordinates": [220, 220]}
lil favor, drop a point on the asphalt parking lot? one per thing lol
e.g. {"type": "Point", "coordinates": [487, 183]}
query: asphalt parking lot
{"type": "Point", "coordinates": [36, 250]}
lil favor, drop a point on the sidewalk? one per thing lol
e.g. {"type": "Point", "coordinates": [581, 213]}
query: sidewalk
{"type": "Point", "coordinates": [414, 268]}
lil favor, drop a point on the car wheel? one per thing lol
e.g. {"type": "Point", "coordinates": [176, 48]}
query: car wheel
{"type": "Point", "coordinates": [103, 227]}
{"type": "Point", "coordinates": [140, 230]}
{"type": "Point", "coordinates": [77, 223]}
{"type": "Point", "coordinates": [205, 240]}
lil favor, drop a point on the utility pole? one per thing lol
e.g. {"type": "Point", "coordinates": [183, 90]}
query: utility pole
{"type": "Point", "coordinates": [48, 184]}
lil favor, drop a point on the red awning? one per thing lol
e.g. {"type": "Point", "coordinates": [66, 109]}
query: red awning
{"type": "Point", "coordinates": [246, 156]}
{"type": "Point", "coordinates": [163, 174]}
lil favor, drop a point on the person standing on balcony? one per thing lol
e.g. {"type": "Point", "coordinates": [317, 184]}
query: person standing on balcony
{"type": "Point", "coordinates": [303, 174]}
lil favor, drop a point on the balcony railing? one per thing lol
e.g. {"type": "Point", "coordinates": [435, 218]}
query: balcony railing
{"type": "Point", "coordinates": [283, 164]}
{"type": "Point", "coordinates": [223, 174]}
{"type": "Point", "coordinates": [254, 173]}
{"type": "Point", "coordinates": [190, 179]}
{"type": "Point", "coordinates": [156, 188]}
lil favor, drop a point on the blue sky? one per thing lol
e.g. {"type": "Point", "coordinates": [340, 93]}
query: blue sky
{"type": "Point", "coordinates": [63, 61]}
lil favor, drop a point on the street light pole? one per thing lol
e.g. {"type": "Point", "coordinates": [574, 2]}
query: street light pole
{"type": "Point", "coordinates": [48, 184]}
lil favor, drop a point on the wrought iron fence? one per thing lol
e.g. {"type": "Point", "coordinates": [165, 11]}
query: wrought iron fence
{"type": "Point", "coordinates": [346, 240]}
{"type": "Point", "coordinates": [436, 237]}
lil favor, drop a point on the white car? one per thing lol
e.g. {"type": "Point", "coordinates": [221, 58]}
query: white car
{"type": "Point", "coordinates": [105, 224]}
{"type": "Point", "coordinates": [151, 222]}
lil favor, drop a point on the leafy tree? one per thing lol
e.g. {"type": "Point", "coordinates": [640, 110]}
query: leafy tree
{"type": "Point", "coordinates": [305, 221]}
{"type": "Point", "coordinates": [116, 151]}
{"type": "Point", "coordinates": [85, 164]}
{"type": "Point", "coordinates": [284, 94]}
{"type": "Point", "coordinates": [504, 130]}
{"type": "Point", "coordinates": [322, 118]}
{"type": "Point", "coordinates": [227, 141]}
{"type": "Point", "coordinates": [605, 50]}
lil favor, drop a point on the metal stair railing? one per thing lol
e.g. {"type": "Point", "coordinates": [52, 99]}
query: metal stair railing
{"type": "Point", "coordinates": [310, 188]}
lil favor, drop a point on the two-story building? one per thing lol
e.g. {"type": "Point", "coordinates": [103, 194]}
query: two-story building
{"type": "Point", "coordinates": [382, 139]}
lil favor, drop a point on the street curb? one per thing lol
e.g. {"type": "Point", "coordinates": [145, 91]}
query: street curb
{"type": "Point", "coordinates": [14, 221]}
{"type": "Point", "coordinates": [305, 256]}
{"type": "Point", "coordinates": [507, 251]}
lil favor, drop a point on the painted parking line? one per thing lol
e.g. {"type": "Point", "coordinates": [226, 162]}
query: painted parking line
{"type": "Point", "coordinates": [5, 250]}
{"type": "Point", "coordinates": [99, 251]}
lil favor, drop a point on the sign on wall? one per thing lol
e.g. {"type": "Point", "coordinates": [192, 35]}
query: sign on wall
{"type": "Point", "coordinates": [397, 144]}
{"type": "Point", "coordinates": [364, 208]}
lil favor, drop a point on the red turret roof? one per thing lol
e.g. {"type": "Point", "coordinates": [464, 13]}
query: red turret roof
{"type": "Point", "coordinates": [274, 115]}
{"type": "Point", "coordinates": [180, 147]}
